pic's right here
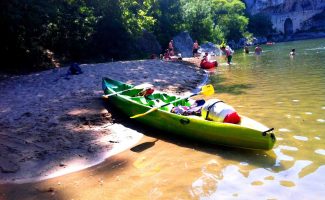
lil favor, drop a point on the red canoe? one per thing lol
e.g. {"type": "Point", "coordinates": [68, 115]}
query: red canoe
{"type": "Point", "coordinates": [208, 65]}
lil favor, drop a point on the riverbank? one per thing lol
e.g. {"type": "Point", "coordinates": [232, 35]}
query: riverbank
{"type": "Point", "coordinates": [52, 124]}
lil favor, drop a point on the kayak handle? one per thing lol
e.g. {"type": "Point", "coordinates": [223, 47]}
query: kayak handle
{"type": "Point", "coordinates": [184, 121]}
{"type": "Point", "coordinates": [267, 131]}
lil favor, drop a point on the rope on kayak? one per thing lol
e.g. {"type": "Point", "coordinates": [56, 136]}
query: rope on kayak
{"type": "Point", "coordinates": [270, 131]}
{"type": "Point", "coordinates": [209, 108]}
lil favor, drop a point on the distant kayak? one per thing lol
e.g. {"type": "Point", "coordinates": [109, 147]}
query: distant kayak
{"type": "Point", "coordinates": [131, 101]}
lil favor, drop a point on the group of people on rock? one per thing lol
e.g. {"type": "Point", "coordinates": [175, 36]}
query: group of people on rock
{"type": "Point", "coordinates": [169, 52]}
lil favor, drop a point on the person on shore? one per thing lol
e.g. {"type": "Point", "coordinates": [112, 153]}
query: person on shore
{"type": "Point", "coordinates": [195, 48]}
{"type": "Point", "coordinates": [74, 69]}
{"type": "Point", "coordinates": [246, 49]}
{"type": "Point", "coordinates": [228, 52]}
{"type": "Point", "coordinates": [171, 47]}
{"type": "Point", "coordinates": [258, 50]}
{"type": "Point", "coordinates": [153, 56]}
{"type": "Point", "coordinates": [205, 58]}
{"type": "Point", "coordinates": [167, 55]}
{"type": "Point", "coordinates": [292, 52]}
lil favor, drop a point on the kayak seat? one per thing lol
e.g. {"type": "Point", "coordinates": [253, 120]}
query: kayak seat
{"type": "Point", "coordinates": [120, 87]}
{"type": "Point", "coordinates": [133, 93]}
{"type": "Point", "coordinates": [161, 97]}
{"type": "Point", "coordinates": [143, 100]}
{"type": "Point", "coordinates": [139, 99]}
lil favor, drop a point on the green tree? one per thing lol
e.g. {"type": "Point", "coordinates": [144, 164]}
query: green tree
{"type": "Point", "coordinates": [198, 18]}
{"type": "Point", "coordinates": [37, 33]}
{"type": "Point", "coordinates": [33, 30]}
{"type": "Point", "coordinates": [228, 18]}
{"type": "Point", "coordinates": [136, 15]}
{"type": "Point", "coordinates": [71, 28]}
{"type": "Point", "coordinates": [120, 24]}
{"type": "Point", "coordinates": [215, 20]}
{"type": "Point", "coordinates": [168, 14]}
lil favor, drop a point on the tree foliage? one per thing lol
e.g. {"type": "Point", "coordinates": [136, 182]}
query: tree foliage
{"type": "Point", "coordinates": [215, 20]}
{"type": "Point", "coordinates": [198, 18]}
{"type": "Point", "coordinates": [39, 34]}
{"type": "Point", "coordinates": [33, 30]}
{"type": "Point", "coordinates": [169, 20]}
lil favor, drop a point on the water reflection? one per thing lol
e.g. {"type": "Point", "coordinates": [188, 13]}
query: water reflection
{"type": "Point", "coordinates": [236, 181]}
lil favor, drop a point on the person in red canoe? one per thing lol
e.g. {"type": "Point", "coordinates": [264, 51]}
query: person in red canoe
{"type": "Point", "coordinates": [206, 64]}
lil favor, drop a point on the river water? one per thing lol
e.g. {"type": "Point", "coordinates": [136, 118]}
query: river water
{"type": "Point", "coordinates": [287, 93]}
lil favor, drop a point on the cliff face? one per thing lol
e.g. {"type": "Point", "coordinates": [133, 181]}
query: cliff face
{"type": "Point", "coordinates": [283, 6]}
{"type": "Point", "coordinates": [291, 16]}
{"type": "Point", "coordinates": [256, 6]}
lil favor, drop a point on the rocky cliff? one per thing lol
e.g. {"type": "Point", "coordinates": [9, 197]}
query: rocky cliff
{"type": "Point", "coordinates": [291, 16]}
{"type": "Point", "coordinates": [283, 6]}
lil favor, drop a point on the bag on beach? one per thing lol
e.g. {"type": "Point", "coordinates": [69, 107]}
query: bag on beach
{"type": "Point", "coordinates": [74, 69]}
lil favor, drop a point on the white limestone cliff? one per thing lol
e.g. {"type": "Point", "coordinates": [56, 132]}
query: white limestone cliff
{"type": "Point", "coordinates": [291, 16]}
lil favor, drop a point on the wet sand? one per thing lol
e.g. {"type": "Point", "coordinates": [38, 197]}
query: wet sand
{"type": "Point", "coordinates": [52, 124]}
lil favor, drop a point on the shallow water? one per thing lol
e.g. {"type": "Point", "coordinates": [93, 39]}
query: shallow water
{"type": "Point", "coordinates": [287, 93]}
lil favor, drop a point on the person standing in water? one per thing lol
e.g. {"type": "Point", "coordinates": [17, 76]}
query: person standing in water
{"type": "Point", "coordinates": [246, 49]}
{"type": "Point", "coordinates": [293, 52]}
{"type": "Point", "coordinates": [228, 52]}
{"type": "Point", "coordinates": [258, 50]}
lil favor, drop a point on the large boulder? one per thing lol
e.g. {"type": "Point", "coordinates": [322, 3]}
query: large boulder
{"type": "Point", "coordinates": [209, 47]}
{"type": "Point", "coordinates": [148, 44]}
{"type": "Point", "coordinates": [183, 44]}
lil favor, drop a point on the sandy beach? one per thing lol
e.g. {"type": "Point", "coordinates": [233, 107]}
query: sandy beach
{"type": "Point", "coordinates": [52, 124]}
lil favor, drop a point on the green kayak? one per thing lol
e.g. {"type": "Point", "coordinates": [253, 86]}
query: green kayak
{"type": "Point", "coordinates": [249, 134]}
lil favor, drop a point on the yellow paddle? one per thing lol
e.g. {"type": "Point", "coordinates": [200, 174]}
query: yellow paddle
{"type": "Point", "coordinates": [144, 85]}
{"type": "Point", "coordinates": [206, 90]}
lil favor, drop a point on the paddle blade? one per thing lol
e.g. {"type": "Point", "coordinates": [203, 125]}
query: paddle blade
{"type": "Point", "coordinates": [207, 90]}
{"type": "Point", "coordinates": [142, 114]}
